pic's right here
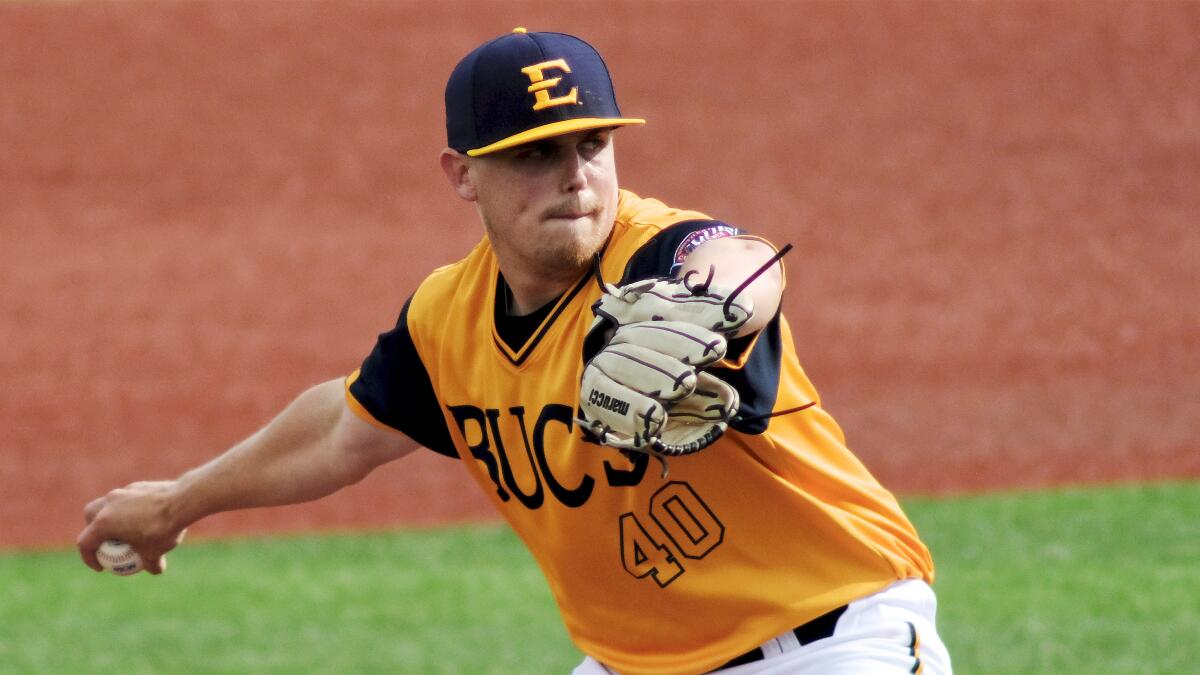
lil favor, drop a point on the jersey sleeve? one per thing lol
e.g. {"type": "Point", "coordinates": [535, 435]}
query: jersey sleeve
{"type": "Point", "coordinates": [755, 374]}
{"type": "Point", "coordinates": [664, 253]}
{"type": "Point", "coordinates": [393, 387]}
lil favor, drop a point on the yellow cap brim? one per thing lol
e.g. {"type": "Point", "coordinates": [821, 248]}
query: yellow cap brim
{"type": "Point", "coordinates": [554, 129]}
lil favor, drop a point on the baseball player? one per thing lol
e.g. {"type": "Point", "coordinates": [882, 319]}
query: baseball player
{"type": "Point", "coordinates": [616, 375]}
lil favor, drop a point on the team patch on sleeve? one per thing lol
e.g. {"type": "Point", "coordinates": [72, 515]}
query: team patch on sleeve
{"type": "Point", "coordinates": [665, 252]}
{"type": "Point", "coordinates": [697, 237]}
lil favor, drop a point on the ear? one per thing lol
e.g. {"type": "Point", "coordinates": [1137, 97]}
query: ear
{"type": "Point", "coordinates": [458, 171]}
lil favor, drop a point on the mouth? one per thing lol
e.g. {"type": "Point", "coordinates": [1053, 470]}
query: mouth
{"type": "Point", "coordinates": [572, 213]}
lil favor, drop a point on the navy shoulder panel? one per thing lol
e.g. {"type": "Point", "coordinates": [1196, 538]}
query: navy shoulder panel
{"type": "Point", "coordinates": [757, 381]}
{"type": "Point", "coordinates": [662, 255]}
{"type": "Point", "coordinates": [394, 387]}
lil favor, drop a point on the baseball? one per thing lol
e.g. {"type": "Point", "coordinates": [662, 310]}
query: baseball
{"type": "Point", "coordinates": [119, 558]}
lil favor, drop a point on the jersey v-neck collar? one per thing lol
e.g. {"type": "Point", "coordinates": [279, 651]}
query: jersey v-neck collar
{"type": "Point", "coordinates": [549, 312]}
{"type": "Point", "coordinates": [515, 330]}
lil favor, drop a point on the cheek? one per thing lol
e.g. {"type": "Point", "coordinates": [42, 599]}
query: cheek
{"type": "Point", "coordinates": [508, 202]}
{"type": "Point", "coordinates": [604, 184]}
{"type": "Point", "coordinates": [526, 194]}
{"type": "Point", "coordinates": [604, 176]}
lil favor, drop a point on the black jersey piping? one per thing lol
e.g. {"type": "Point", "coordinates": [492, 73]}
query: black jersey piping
{"type": "Point", "coordinates": [545, 328]}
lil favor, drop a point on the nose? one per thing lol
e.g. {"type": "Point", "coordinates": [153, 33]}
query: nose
{"type": "Point", "coordinates": [574, 173]}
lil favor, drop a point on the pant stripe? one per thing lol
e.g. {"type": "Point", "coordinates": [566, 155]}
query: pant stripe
{"type": "Point", "coordinates": [914, 648]}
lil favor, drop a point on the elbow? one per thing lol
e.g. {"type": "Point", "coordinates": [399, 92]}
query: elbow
{"type": "Point", "coordinates": [363, 446]}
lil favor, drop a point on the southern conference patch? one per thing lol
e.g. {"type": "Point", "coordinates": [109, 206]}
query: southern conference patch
{"type": "Point", "coordinates": [694, 239]}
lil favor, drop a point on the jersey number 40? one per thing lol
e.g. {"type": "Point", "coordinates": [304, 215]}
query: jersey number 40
{"type": "Point", "coordinates": [686, 527]}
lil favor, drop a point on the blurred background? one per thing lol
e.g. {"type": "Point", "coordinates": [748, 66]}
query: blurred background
{"type": "Point", "coordinates": [206, 207]}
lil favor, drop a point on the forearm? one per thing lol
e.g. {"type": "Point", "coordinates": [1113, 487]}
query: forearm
{"type": "Point", "coordinates": [297, 457]}
{"type": "Point", "coordinates": [732, 261]}
{"type": "Point", "coordinates": [314, 447]}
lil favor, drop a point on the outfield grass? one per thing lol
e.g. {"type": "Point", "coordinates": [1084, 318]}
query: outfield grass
{"type": "Point", "coordinates": [1074, 581]}
{"type": "Point", "coordinates": [1071, 581]}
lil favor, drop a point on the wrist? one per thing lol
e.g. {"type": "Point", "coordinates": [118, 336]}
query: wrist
{"type": "Point", "coordinates": [178, 507]}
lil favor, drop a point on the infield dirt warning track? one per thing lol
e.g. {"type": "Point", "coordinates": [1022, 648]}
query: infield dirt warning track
{"type": "Point", "coordinates": [206, 207]}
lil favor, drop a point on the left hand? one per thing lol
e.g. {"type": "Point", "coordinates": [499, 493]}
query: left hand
{"type": "Point", "coordinates": [672, 300]}
{"type": "Point", "coordinates": [644, 390]}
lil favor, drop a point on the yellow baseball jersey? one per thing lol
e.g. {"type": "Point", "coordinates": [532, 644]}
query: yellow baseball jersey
{"type": "Point", "coordinates": [773, 525]}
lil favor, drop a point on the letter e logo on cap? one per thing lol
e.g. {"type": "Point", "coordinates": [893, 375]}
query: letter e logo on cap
{"type": "Point", "coordinates": [541, 85]}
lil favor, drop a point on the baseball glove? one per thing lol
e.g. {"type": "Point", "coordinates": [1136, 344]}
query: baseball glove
{"type": "Point", "coordinates": [642, 388]}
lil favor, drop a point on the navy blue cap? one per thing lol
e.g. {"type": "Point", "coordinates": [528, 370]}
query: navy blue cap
{"type": "Point", "coordinates": [524, 87]}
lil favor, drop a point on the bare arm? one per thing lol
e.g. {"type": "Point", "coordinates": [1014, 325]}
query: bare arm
{"type": "Point", "coordinates": [733, 260]}
{"type": "Point", "coordinates": [315, 447]}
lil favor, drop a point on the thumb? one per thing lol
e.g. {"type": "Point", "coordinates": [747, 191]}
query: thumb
{"type": "Point", "coordinates": [156, 564]}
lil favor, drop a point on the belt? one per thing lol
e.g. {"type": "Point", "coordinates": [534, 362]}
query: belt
{"type": "Point", "coordinates": [817, 629]}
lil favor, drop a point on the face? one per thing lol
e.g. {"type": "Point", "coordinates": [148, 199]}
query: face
{"type": "Point", "coordinates": [547, 205]}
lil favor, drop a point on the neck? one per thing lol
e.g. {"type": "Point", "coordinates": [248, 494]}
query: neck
{"type": "Point", "coordinates": [528, 292]}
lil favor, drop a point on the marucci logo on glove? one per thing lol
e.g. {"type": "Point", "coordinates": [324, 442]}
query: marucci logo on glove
{"type": "Point", "coordinates": [607, 402]}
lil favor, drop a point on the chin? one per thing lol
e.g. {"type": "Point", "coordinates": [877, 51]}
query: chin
{"type": "Point", "coordinates": [568, 261]}
{"type": "Point", "coordinates": [575, 254]}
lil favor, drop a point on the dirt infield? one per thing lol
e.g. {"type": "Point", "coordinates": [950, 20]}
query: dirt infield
{"type": "Point", "coordinates": [206, 207]}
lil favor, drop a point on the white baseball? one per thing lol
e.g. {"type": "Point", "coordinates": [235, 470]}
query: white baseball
{"type": "Point", "coordinates": [119, 558]}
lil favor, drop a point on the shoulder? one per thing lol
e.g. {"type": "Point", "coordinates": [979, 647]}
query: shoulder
{"type": "Point", "coordinates": [462, 279]}
{"type": "Point", "coordinates": [640, 213]}
{"type": "Point", "coordinates": [654, 239]}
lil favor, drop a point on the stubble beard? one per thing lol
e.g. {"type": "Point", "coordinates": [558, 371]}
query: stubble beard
{"type": "Point", "coordinates": [566, 260]}
{"type": "Point", "coordinates": [573, 257]}
{"type": "Point", "coordinates": [561, 259]}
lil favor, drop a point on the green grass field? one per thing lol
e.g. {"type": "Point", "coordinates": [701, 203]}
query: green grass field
{"type": "Point", "coordinates": [1071, 581]}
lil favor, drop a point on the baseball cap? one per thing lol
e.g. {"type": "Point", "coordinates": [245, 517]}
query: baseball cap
{"type": "Point", "coordinates": [524, 87]}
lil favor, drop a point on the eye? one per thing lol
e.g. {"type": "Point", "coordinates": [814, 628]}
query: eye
{"type": "Point", "coordinates": [593, 144]}
{"type": "Point", "coordinates": [538, 151]}
{"type": "Point", "coordinates": [529, 154]}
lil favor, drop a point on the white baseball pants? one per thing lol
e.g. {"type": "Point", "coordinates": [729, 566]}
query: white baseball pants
{"type": "Point", "coordinates": [892, 631]}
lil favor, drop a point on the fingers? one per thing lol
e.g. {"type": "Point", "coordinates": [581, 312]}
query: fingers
{"type": "Point", "coordinates": [686, 342]}
{"type": "Point", "coordinates": [155, 559]}
{"type": "Point", "coordinates": [673, 301]}
{"type": "Point", "coordinates": [93, 508]}
{"type": "Point", "coordinates": [133, 514]}
{"type": "Point", "coordinates": [627, 414]}
{"type": "Point", "coordinates": [646, 371]}
{"type": "Point", "coordinates": [87, 543]}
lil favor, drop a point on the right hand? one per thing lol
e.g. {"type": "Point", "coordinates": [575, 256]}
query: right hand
{"type": "Point", "coordinates": [137, 514]}
{"type": "Point", "coordinates": [628, 388]}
